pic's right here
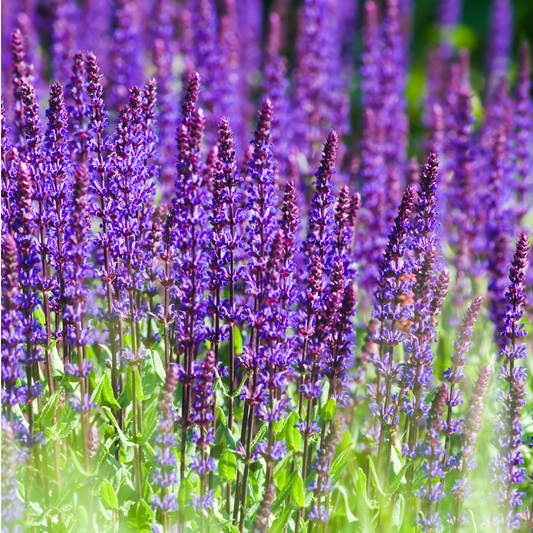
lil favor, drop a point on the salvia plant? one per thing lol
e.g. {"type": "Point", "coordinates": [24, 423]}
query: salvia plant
{"type": "Point", "coordinates": [245, 287]}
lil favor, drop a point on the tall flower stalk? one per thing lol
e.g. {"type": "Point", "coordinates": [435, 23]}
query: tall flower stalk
{"type": "Point", "coordinates": [505, 467]}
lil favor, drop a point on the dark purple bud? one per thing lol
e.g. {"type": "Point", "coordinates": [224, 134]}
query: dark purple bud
{"type": "Point", "coordinates": [93, 441]}
{"type": "Point", "coordinates": [397, 238]}
{"type": "Point", "coordinates": [22, 72]}
{"type": "Point", "coordinates": [473, 421]}
{"type": "Point", "coordinates": [79, 197]}
{"type": "Point", "coordinates": [314, 281]}
{"type": "Point", "coordinates": [455, 373]}
{"type": "Point", "coordinates": [192, 93]}
{"type": "Point", "coordinates": [264, 512]}
{"type": "Point", "coordinates": [440, 292]}
{"type": "Point", "coordinates": [24, 198]}
{"type": "Point", "coordinates": [10, 269]}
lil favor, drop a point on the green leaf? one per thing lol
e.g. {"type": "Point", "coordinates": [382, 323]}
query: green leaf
{"type": "Point", "coordinates": [140, 517]}
{"type": "Point", "coordinates": [282, 470]}
{"type": "Point", "coordinates": [149, 424]}
{"type": "Point", "coordinates": [223, 431]}
{"type": "Point", "coordinates": [38, 313]}
{"type": "Point", "coordinates": [79, 467]}
{"type": "Point", "coordinates": [125, 441]}
{"type": "Point", "coordinates": [398, 480]}
{"type": "Point", "coordinates": [325, 395]}
{"type": "Point", "coordinates": [149, 375]}
{"type": "Point", "coordinates": [292, 436]}
{"type": "Point", "coordinates": [97, 392]}
{"type": "Point", "coordinates": [297, 491]}
{"type": "Point", "coordinates": [375, 479]}
{"type": "Point", "coordinates": [328, 409]}
{"type": "Point", "coordinates": [225, 391]}
{"type": "Point", "coordinates": [221, 416]}
{"type": "Point", "coordinates": [108, 495]}
{"type": "Point", "coordinates": [227, 465]}
{"type": "Point", "coordinates": [237, 393]}
{"type": "Point", "coordinates": [58, 370]}
{"type": "Point", "coordinates": [159, 368]}
{"type": "Point", "coordinates": [279, 524]}
{"type": "Point", "coordinates": [108, 398]}
{"type": "Point", "coordinates": [429, 397]}
{"type": "Point", "coordinates": [398, 512]}
{"type": "Point", "coordinates": [50, 407]}
{"type": "Point", "coordinates": [360, 488]}
{"type": "Point", "coordinates": [128, 389]}
{"type": "Point", "coordinates": [237, 341]}
{"type": "Point", "coordinates": [285, 490]}
{"type": "Point", "coordinates": [139, 386]}
{"type": "Point", "coordinates": [350, 517]}
{"type": "Point", "coordinates": [419, 475]}
{"type": "Point", "coordinates": [473, 520]}
{"type": "Point", "coordinates": [396, 459]}
{"type": "Point", "coordinates": [18, 413]}
{"type": "Point", "coordinates": [257, 481]}
{"type": "Point", "coordinates": [338, 466]}
{"type": "Point", "coordinates": [104, 392]}
{"type": "Point", "coordinates": [67, 422]}
{"type": "Point", "coordinates": [185, 492]}
{"type": "Point", "coordinates": [259, 436]}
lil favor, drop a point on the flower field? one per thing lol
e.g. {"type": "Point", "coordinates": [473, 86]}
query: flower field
{"type": "Point", "coordinates": [258, 278]}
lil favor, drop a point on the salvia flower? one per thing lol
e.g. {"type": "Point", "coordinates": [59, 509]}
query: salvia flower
{"type": "Point", "coordinates": [13, 457]}
{"type": "Point", "coordinates": [321, 216]}
{"type": "Point", "coordinates": [471, 425]}
{"type": "Point", "coordinates": [506, 466]}
{"type": "Point", "coordinates": [321, 485]}
{"type": "Point", "coordinates": [12, 338]}
{"type": "Point", "coordinates": [165, 474]}
{"type": "Point", "coordinates": [433, 452]}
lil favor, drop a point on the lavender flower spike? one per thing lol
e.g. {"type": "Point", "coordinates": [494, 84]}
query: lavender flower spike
{"type": "Point", "coordinates": [516, 299]}
{"type": "Point", "coordinates": [455, 373]}
{"type": "Point", "coordinates": [470, 427]}
{"type": "Point", "coordinates": [165, 474]}
{"type": "Point", "coordinates": [505, 467]}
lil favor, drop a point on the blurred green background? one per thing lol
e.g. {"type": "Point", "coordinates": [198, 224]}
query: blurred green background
{"type": "Point", "coordinates": [473, 30]}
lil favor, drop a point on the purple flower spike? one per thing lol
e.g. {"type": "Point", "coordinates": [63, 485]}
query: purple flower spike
{"type": "Point", "coordinates": [522, 137]}
{"type": "Point", "coordinates": [393, 64]}
{"type": "Point", "coordinates": [274, 87]}
{"type": "Point", "coordinates": [497, 239]}
{"type": "Point", "coordinates": [470, 426]}
{"type": "Point", "coordinates": [321, 485]}
{"type": "Point", "coordinates": [499, 46]}
{"type": "Point", "coordinates": [22, 73]}
{"type": "Point", "coordinates": [126, 51]}
{"type": "Point", "coordinates": [165, 474]}
{"type": "Point", "coordinates": [440, 293]}
{"type": "Point", "coordinates": [263, 515]}
{"type": "Point", "coordinates": [318, 91]}
{"type": "Point", "coordinates": [320, 237]}
{"type": "Point", "coordinates": [393, 310]}
{"type": "Point", "coordinates": [14, 458]}
{"type": "Point", "coordinates": [203, 400]}
{"type": "Point", "coordinates": [260, 201]}
{"type": "Point", "coordinates": [64, 34]}
{"type": "Point", "coordinates": [505, 467]}
{"type": "Point", "coordinates": [454, 374]}
{"type": "Point", "coordinates": [433, 453]}
{"type": "Point", "coordinates": [513, 330]}
{"type": "Point", "coordinates": [12, 334]}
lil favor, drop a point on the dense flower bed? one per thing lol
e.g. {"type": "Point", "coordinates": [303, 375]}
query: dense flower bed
{"type": "Point", "coordinates": [205, 329]}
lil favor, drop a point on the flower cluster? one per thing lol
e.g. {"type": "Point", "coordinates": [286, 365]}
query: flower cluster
{"type": "Point", "coordinates": [192, 312]}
